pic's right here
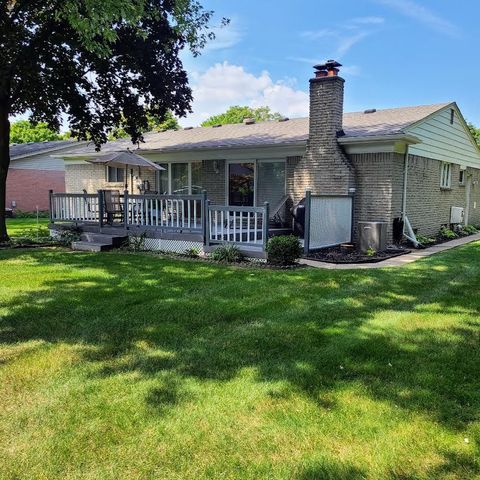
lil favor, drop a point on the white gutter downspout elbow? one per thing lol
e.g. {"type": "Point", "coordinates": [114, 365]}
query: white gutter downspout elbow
{"type": "Point", "coordinates": [407, 227]}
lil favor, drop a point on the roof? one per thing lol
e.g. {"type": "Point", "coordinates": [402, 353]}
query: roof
{"type": "Point", "coordinates": [291, 132]}
{"type": "Point", "coordinates": [22, 150]}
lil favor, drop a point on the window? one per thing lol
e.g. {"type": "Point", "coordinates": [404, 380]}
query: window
{"type": "Point", "coordinates": [179, 172]}
{"type": "Point", "coordinates": [461, 177]}
{"type": "Point", "coordinates": [115, 175]}
{"type": "Point", "coordinates": [197, 183]}
{"type": "Point", "coordinates": [446, 175]}
{"type": "Point", "coordinates": [162, 179]}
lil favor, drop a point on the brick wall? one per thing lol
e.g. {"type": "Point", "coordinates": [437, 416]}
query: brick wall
{"type": "Point", "coordinates": [29, 188]}
{"type": "Point", "coordinates": [375, 189]}
{"type": "Point", "coordinates": [379, 192]}
{"type": "Point", "coordinates": [428, 205]}
{"type": "Point", "coordinates": [325, 169]}
{"type": "Point", "coordinates": [92, 178]}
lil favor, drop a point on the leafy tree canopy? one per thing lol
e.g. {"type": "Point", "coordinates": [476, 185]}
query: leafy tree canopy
{"type": "Point", "coordinates": [23, 131]}
{"type": "Point", "coordinates": [155, 124]}
{"type": "Point", "coordinates": [97, 62]}
{"type": "Point", "coordinates": [475, 132]}
{"type": "Point", "coordinates": [236, 114]}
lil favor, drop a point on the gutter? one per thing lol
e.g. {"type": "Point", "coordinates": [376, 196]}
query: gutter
{"type": "Point", "coordinates": [400, 137]}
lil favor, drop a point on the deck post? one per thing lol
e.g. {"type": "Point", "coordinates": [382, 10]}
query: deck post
{"type": "Point", "coordinates": [101, 208]}
{"type": "Point", "coordinates": [266, 222]}
{"type": "Point", "coordinates": [125, 209]}
{"type": "Point", "coordinates": [204, 216]}
{"type": "Point", "coordinates": [306, 228]}
{"type": "Point", "coordinates": [50, 206]}
{"type": "Point", "coordinates": [207, 223]}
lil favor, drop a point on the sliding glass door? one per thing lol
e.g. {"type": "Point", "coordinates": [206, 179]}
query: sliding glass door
{"type": "Point", "coordinates": [270, 182]}
{"type": "Point", "coordinates": [241, 184]}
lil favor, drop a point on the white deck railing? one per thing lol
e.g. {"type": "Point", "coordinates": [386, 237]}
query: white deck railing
{"type": "Point", "coordinates": [74, 207]}
{"type": "Point", "coordinates": [169, 212]}
{"type": "Point", "coordinates": [244, 225]}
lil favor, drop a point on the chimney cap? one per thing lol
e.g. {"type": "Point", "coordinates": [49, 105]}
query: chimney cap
{"type": "Point", "coordinates": [328, 65]}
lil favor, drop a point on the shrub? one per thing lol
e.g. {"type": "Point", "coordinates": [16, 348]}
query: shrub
{"type": "Point", "coordinates": [423, 240]}
{"type": "Point", "coordinates": [22, 214]}
{"type": "Point", "coordinates": [469, 229]}
{"type": "Point", "coordinates": [33, 235]}
{"type": "Point", "coordinates": [193, 252]}
{"type": "Point", "coordinates": [447, 233]}
{"type": "Point", "coordinates": [136, 242]}
{"type": "Point", "coordinates": [370, 252]}
{"type": "Point", "coordinates": [284, 250]}
{"type": "Point", "coordinates": [228, 254]}
{"type": "Point", "coordinates": [69, 235]}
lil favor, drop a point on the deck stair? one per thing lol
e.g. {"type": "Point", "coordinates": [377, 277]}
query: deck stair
{"type": "Point", "coordinates": [98, 242]}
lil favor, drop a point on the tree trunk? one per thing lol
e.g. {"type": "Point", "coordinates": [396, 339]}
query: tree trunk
{"type": "Point", "coordinates": [4, 164]}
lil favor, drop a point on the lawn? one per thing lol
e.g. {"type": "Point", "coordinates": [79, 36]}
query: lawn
{"type": "Point", "coordinates": [121, 366]}
{"type": "Point", "coordinates": [17, 227]}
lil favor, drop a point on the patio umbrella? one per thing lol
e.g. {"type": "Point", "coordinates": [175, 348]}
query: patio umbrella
{"type": "Point", "coordinates": [125, 159]}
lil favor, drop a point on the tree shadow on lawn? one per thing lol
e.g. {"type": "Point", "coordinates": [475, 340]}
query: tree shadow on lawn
{"type": "Point", "coordinates": [316, 330]}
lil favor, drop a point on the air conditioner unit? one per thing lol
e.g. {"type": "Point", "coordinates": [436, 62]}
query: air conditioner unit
{"type": "Point", "coordinates": [457, 215]}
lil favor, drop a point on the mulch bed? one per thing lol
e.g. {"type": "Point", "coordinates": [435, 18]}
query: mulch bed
{"type": "Point", "coordinates": [342, 255]}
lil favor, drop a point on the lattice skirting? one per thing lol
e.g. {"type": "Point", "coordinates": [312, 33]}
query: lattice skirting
{"type": "Point", "coordinates": [174, 246]}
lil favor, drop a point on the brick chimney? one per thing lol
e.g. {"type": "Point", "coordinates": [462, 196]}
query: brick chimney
{"type": "Point", "coordinates": [325, 169]}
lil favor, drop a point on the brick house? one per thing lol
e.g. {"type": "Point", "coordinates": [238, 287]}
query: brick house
{"type": "Point", "coordinates": [33, 172]}
{"type": "Point", "coordinates": [417, 162]}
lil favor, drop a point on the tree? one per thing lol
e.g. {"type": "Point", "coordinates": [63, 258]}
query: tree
{"type": "Point", "coordinates": [23, 131]}
{"type": "Point", "coordinates": [475, 132]}
{"type": "Point", "coordinates": [96, 62]}
{"type": "Point", "coordinates": [155, 124]}
{"type": "Point", "coordinates": [237, 114]}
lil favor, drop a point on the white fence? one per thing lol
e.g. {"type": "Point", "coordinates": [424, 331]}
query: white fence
{"type": "Point", "coordinates": [329, 221]}
{"type": "Point", "coordinates": [243, 225]}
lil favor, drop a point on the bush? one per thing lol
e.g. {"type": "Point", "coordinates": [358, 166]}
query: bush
{"type": "Point", "coordinates": [136, 242]}
{"type": "Point", "coordinates": [22, 214]}
{"type": "Point", "coordinates": [32, 236]}
{"type": "Point", "coordinates": [70, 235]}
{"type": "Point", "coordinates": [284, 250]}
{"type": "Point", "coordinates": [447, 233]}
{"type": "Point", "coordinates": [193, 252]}
{"type": "Point", "coordinates": [227, 254]}
{"type": "Point", "coordinates": [469, 229]}
{"type": "Point", "coordinates": [423, 240]}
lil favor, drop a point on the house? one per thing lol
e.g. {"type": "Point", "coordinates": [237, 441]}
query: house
{"type": "Point", "coordinates": [33, 172]}
{"type": "Point", "coordinates": [417, 166]}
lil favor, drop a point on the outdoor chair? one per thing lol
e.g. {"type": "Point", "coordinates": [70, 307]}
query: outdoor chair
{"type": "Point", "coordinates": [113, 205]}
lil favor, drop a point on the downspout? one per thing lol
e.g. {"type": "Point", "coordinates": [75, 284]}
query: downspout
{"type": "Point", "coordinates": [408, 232]}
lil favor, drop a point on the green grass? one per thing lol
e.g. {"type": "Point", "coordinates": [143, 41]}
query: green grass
{"type": "Point", "coordinates": [119, 366]}
{"type": "Point", "coordinates": [18, 227]}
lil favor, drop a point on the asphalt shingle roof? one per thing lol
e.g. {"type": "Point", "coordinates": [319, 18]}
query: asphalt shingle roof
{"type": "Point", "coordinates": [27, 149]}
{"type": "Point", "coordinates": [294, 131]}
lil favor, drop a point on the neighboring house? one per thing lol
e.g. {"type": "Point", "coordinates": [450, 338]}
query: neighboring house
{"type": "Point", "coordinates": [420, 160]}
{"type": "Point", "coordinates": [33, 172]}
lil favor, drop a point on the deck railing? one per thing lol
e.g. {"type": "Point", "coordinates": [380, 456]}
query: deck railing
{"type": "Point", "coordinates": [242, 225]}
{"type": "Point", "coordinates": [178, 214]}
{"type": "Point", "coordinates": [167, 212]}
{"type": "Point", "coordinates": [74, 207]}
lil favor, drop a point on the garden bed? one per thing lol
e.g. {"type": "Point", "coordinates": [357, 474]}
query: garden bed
{"type": "Point", "coordinates": [339, 254]}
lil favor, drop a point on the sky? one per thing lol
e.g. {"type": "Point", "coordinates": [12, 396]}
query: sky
{"type": "Point", "coordinates": [394, 53]}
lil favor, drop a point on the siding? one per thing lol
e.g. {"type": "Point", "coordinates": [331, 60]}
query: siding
{"type": "Point", "coordinates": [443, 141]}
{"type": "Point", "coordinates": [42, 162]}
